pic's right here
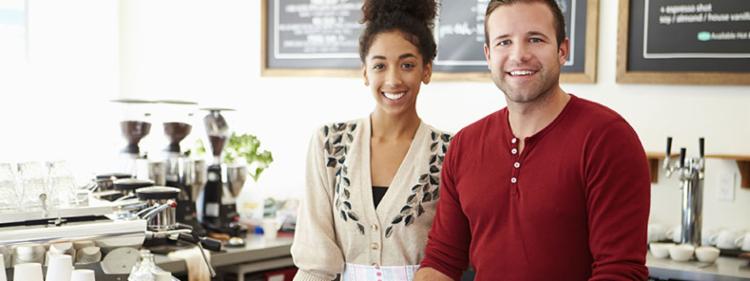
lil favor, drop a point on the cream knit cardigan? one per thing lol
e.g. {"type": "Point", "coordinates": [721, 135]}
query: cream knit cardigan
{"type": "Point", "coordinates": [337, 220]}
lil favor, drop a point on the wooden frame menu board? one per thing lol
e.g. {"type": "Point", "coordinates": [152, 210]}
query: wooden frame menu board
{"type": "Point", "coordinates": [320, 38]}
{"type": "Point", "coordinates": [684, 41]}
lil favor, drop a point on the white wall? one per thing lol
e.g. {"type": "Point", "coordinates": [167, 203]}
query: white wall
{"type": "Point", "coordinates": [209, 51]}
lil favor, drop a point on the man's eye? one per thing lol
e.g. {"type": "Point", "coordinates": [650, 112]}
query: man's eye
{"type": "Point", "coordinates": [503, 42]}
{"type": "Point", "coordinates": [378, 66]}
{"type": "Point", "coordinates": [536, 40]}
{"type": "Point", "coordinates": [408, 65]}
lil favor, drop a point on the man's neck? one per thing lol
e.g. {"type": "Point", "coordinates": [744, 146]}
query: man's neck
{"type": "Point", "coordinates": [527, 119]}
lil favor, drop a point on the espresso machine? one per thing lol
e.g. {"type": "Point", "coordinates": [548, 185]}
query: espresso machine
{"type": "Point", "coordinates": [181, 171]}
{"type": "Point", "coordinates": [690, 171]}
{"type": "Point", "coordinates": [223, 183]}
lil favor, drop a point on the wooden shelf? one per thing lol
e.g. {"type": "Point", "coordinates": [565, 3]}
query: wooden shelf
{"type": "Point", "coordinates": [743, 162]}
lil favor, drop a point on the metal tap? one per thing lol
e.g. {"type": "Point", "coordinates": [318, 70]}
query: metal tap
{"type": "Point", "coordinates": [690, 171]}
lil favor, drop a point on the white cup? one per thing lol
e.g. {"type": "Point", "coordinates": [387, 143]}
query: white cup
{"type": "Point", "coordinates": [60, 267]}
{"type": "Point", "coordinates": [656, 232]}
{"type": "Point", "coordinates": [727, 239]}
{"type": "Point", "coordinates": [675, 233]}
{"type": "Point", "coordinates": [707, 254]}
{"type": "Point", "coordinates": [2, 269]}
{"type": "Point", "coordinates": [683, 252]}
{"type": "Point", "coordinates": [28, 272]}
{"type": "Point", "coordinates": [29, 253]}
{"type": "Point", "coordinates": [270, 228]}
{"type": "Point", "coordinates": [660, 250]}
{"type": "Point", "coordinates": [7, 256]}
{"type": "Point", "coordinates": [87, 255]}
{"type": "Point", "coordinates": [743, 242]}
{"type": "Point", "coordinates": [83, 275]}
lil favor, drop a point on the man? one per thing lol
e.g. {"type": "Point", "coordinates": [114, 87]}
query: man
{"type": "Point", "coordinates": [553, 187]}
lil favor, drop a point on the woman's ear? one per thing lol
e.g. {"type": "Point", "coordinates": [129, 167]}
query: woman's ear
{"type": "Point", "coordinates": [364, 76]}
{"type": "Point", "coordinates": [427, 73]}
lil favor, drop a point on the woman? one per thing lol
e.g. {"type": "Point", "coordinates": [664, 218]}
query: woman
{"type": "Point", "coordinates": [372, 183]}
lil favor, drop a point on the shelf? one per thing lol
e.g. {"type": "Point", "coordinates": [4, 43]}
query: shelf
{"type": "Point", "coordinates": [743, 162]}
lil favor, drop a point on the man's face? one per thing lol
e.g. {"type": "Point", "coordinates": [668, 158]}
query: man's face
{"type": "Point", "coordinates": [523, 55]}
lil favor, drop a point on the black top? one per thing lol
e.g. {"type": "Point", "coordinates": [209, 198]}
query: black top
{"type": "Point", "coordinates": [377, 194]}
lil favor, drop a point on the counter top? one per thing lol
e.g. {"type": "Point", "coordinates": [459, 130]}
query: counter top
{"type": "Point", "coordinates": [724, 269]}
{"type": "Point", "coordinates": [256, 249]}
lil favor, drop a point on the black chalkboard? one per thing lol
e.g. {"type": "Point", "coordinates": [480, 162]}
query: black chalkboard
{"type": "Point", "coordinates": [324, 34]}
{"type": "Point", "coordinates": [685, 37]}
{"type": "Point", "coordinates": [460, 35]}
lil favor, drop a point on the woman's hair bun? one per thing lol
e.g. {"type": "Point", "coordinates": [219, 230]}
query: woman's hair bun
{"type": "Point", "coordinates": [422, 10]}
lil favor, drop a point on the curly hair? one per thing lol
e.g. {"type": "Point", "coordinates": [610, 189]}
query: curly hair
{"type": "Point", "coordinates": [413, 18]}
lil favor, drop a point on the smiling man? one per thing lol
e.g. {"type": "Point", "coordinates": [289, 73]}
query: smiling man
{"type": "Point", "coordinates": [552, 187]}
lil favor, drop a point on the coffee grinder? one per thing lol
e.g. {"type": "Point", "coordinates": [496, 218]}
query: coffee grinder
{"type": "Point", "coordinates": [218, 206]}
{"type": "Point", "coordinates": [180, 169]}
{"type": "Point", "coordinates": [135, 124]}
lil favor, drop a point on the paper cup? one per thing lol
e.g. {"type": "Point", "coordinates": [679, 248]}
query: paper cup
{"type": "Point", "coordinates": [83, 275]}
{"type": "Point", "coordinates": [28, 272]}
{"type": "Point", "coordinates": [60, 268]}
{"type": "Point", "coordinates": [2, 269]}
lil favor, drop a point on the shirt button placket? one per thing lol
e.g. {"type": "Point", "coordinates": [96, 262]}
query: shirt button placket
{"type": "Point", "coordinates": [516, 166]}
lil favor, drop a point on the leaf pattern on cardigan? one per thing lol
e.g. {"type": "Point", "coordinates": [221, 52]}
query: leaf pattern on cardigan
{"type": "Point", "coordinates": [427, 186]}
{"type": "Point", "coordinates": [338, 138]}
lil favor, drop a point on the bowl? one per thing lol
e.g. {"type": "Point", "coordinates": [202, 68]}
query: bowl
{"type": "Point", "coordinates": [707, 254]}
{"type": "Point", "coordinates": [683, 252]}
{"type": "Point", "coordinates": [660, 250]}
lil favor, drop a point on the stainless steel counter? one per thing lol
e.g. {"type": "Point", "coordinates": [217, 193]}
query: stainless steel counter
{"type": "Point", "coordinates": [724, 269]}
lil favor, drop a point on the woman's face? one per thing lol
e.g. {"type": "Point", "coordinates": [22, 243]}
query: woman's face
{"type": "Point", "coordinates": [394, 71]}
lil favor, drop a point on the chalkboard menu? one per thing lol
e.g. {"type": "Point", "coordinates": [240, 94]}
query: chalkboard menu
{"type": "Point", "coordinates": [320, 35]}
{"type": "Point", "coordinates": [684, 41]}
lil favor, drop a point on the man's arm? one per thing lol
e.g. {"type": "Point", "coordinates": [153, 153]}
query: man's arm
{"type": "Point", "coordinates": [618, 201]}
{"type": "Point", "coordinates": [429, 274]}
{"type": "Point", "coordinates": [446, 252]}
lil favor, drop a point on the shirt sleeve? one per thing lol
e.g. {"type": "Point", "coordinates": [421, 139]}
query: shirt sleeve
{"type": "Point", "coordinates": [618, 199]}
{"type": "Point", "coordinates": [315, 250]}
{"type": "Point", "coordinates": [448, 242]}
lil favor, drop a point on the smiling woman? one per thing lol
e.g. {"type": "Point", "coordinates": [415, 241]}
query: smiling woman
{"type": "Point", "coordinates": [372, 183]}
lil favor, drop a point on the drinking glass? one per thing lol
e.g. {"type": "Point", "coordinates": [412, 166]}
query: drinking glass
{"type": "Point", "coordinates": [33, 178]}
{"type": "Point", "coordinates": [8, 192]}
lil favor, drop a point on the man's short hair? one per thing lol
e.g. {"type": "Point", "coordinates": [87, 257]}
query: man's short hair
{"type": "Point", "coordinates": [559, 20]}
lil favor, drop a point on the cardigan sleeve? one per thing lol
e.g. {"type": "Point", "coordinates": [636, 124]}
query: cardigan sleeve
{"type": "Point", "coordinates": [618, 196]}
{"type": "Point", "coordinates": [315, 250]}
{"type": "Point", "coordinates": [447, 249]}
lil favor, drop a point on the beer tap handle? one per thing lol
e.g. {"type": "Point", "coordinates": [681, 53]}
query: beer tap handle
{"type": "Point", "coordinates": [683, 152]}
{"type": "Point", "coordinates": [669, 146]}
{"type": "Point", "coordinates": [702, 146]}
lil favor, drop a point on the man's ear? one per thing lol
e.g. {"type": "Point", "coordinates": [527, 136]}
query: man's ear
{"type": "Point", "coordinates": [564, 50]}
